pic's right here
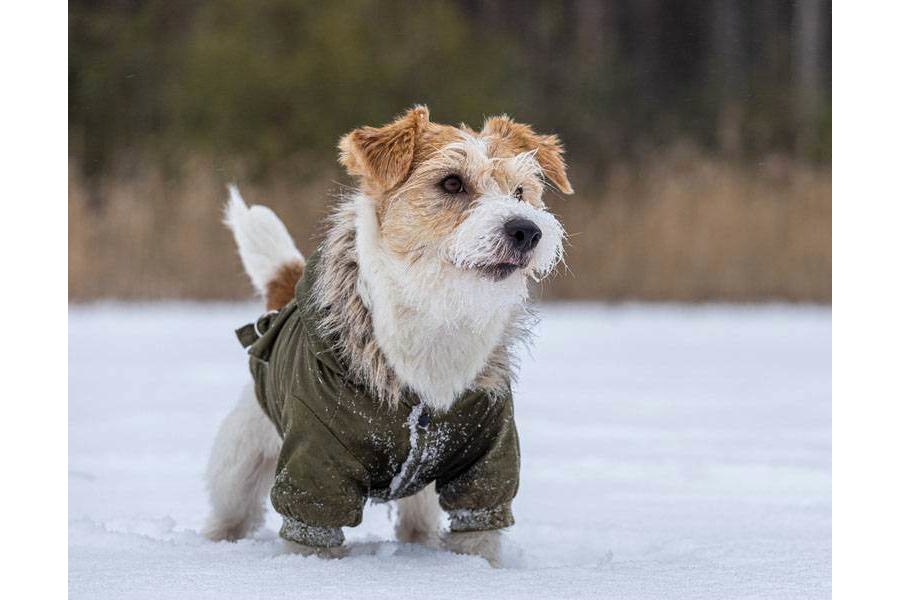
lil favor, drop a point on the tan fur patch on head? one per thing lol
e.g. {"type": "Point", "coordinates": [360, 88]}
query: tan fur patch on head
{"type": "Point", "coordinates": [510, 138]}
{"type": "Point", "coordinates": [420, 213]}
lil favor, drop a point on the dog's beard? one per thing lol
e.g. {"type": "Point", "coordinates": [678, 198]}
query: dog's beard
{"type": "Point", "coordinates": [503, 262]}
{"type": "Point", "coordinates": [499, 271]}
{"type": "Point", "coordinates": [479, 244]}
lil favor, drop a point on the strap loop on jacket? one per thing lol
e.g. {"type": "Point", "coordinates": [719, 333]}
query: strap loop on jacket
{"type": "Point", "coordinates": [249, 333]}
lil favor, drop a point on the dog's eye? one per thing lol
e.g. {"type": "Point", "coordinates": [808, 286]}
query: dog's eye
{"type": "Point", "coordinates": [518, 193]}
{"type": "Point", "coordinates": [452, 184]}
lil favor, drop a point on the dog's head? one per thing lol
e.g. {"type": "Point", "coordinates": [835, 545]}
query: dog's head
{"type": "Point", "coordinates": [470, 199]}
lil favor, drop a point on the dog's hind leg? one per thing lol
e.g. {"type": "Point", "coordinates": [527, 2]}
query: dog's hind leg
{"type": "Point", "coordinates": [241, 470]}
{"type": "Point", "coordinates": [419, 518]}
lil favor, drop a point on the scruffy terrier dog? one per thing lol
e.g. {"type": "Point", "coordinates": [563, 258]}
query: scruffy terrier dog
{"type": "Point", "coordinates": [382, 369]}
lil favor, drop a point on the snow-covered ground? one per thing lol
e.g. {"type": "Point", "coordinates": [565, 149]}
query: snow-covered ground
{"type": "Point", "coordinates": [667, 452]}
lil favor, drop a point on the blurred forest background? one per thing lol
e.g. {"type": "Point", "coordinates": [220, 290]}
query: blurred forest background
{"type": "Point", "coordinates": [698, 132]}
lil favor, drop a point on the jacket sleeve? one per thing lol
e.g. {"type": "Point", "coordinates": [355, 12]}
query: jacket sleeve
{"type": "Point", "coordinates": [479, 498]}
{"type": "Point", "coordinates": [319, 486]}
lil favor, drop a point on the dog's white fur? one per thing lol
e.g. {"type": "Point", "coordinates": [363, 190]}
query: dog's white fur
{"type": "Point", "coordinates": [263, 241]}
{"type": "Point", "coordinates": [419, 518]}
{"type": "Point", "coordinates": [437, 321]}
{"type": "Point", "coordinates": [241, 470]}
{"type": "Point", "coordinates": [436, 325]}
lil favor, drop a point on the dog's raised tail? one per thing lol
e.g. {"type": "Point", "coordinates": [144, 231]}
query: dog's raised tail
{"type": "Point", "coordinates": [267, 251]}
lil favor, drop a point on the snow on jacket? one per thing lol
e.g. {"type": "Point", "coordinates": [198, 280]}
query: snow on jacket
{"type": "Point", "coordinates": [342, 446]}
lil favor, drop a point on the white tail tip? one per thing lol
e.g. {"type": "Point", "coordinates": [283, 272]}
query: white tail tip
{"type": "Point", "coordinates": [263, 242]}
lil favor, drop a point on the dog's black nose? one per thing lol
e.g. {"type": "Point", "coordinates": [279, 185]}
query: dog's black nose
{"type": "Point", "coordinates": [523, 234]}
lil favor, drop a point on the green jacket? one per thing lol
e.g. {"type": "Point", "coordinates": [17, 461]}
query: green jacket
{"type": "Point", "coordinates": [342, 446]}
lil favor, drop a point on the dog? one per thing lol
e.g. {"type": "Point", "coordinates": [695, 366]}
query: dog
{"type": "Point", "coordinates": [383, 367]}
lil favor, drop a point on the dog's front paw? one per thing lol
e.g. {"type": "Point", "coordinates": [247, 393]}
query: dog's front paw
{"type": "Point", "coordinates": [486, 544]}
{"type": "Point", "coordinates": [429, 539]}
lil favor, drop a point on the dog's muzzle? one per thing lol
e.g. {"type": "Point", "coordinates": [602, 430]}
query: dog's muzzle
{"type": "Point", "coordinates": [520, 238]}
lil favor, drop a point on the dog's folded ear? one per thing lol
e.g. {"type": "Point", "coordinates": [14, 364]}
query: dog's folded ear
{"type": "Point", "coordinates": [522, 138]}
{"type": "Point", "coordinates": [384, 155]}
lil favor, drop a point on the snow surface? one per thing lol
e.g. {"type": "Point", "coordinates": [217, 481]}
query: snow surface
{"type": "Point", "coordinates": [667, 452]}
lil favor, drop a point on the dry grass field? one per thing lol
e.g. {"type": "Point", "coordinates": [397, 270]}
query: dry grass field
{"type": "Point", "coordinates": [681, 226]}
